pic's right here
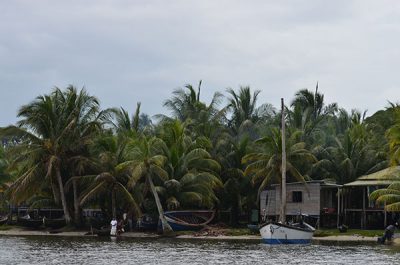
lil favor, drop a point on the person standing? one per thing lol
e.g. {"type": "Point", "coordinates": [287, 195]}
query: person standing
{"type": "Point", "coordinates": [113, 231]}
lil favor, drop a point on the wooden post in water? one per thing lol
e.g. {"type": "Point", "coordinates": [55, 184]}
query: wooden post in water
{"type": "Point", "coordinates": [283, 181]}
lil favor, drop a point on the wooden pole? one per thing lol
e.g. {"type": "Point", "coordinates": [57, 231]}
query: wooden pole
{"type": "Point", "coordinates": [338, 207]}
{"type": "Point", "coordinates": [385, 216]}
{"type": "Point", "coordinates": [363, 219]}
{"type": "Point", "coordinates": [283, 183]}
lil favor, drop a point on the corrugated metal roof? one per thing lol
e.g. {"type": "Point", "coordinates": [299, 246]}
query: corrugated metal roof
{"type": "Point", "coordinates": [323, 183]}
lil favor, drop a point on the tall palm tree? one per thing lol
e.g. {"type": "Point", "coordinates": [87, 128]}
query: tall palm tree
{"type": "Point", "coordinates": [194, 175]}
{"type": "Point", "coordinates": [52, 129]}
{"type": "Point", "coordinates": [243, 105]}
{"type": "Point", "coordinates": [236, 193]}
{"type": "Point", "coordinates": [265, 166]}
{"type": "Point", "coordinates": [5, 177]}
{"type": "Point", "coordinates": [146, 162]}
{"type": "Point", "coordinates": [186, 104]}
{"type": "Point", "coordinates": [123, 123]}
{"type": "Point", "coordinates": [111, 152]}
{"type": "Point", "coordinates": [393, 136]}
{"type": "Point", "coordinates": [310, 115]}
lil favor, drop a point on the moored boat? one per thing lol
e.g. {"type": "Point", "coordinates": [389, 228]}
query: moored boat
{"type": "Point", "coordinates": [104, 231]}
{"type": "Point", "coordinates": [277, 233]}
{"type": "Point", "coordinates": [147, 223]}
{"type": "Point", "coordinates": [3, 220]}
{"type": "Point", "coordinates": [189, 220]}
{"type": "Point", "coordinates": [54, 223]}
{"type": "Point", "coordinates": [26, 221]}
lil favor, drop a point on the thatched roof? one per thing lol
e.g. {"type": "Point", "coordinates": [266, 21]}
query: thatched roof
{"type": "Point", "coordinates": [383, 177]}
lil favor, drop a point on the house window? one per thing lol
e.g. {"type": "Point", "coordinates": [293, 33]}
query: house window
{"type": "Point", "coordinates": [297, 196]}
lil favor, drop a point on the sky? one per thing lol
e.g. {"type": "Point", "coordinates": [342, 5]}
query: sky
{"type": "Point", "coordinates": [128, 51]}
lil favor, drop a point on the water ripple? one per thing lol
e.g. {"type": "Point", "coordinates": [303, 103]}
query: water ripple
{"type": "Point", "coordinates": [62, 250]}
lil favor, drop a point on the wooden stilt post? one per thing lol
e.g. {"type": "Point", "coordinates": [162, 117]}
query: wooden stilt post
{"type": "Point", "coordinates": [385, 216]}
{"type": "Point", "coordinates": [338, 208]}
{"type": "Point", "coordinates": [363, 218]}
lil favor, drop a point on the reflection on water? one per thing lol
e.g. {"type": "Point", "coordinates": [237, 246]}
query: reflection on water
{"type": "Point", "coordinates": [63, 250]}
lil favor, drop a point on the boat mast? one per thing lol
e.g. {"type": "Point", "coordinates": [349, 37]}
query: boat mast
{"type": "Point", "coordinates": [283, 181]}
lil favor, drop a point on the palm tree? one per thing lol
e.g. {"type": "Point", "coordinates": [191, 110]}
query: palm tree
{"type": "Point", "coordinates": [186, 104]}
{"type": "Point", "coordinates": [146, 162]}
{"type": "Point", "coordinates": [309, 114]}
{"type": "Point", "coordinates": [111, 152]}
{"type": "Point", "coordinates": [53, 128]}
{"type": "Point", "coordinates": [4, 177]}
{"type": "Point", "coordinates": [194, 175]}
{"type": "Point", "coordinates": [242, 105]}
{"type": "Point", "coordinates": [265, 166]}
{"type": "Point", "coordinates": [393, 136]}
{"type": "Point", "coordinates": [236, 185]}
{"type": "Point", "coordinates": [122, 123]}
{"type": "Point", "coordinates": [389, 196]}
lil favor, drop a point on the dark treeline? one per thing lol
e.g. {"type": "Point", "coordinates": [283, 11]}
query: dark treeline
{"type": "Point", "coordinates": [66, 151]}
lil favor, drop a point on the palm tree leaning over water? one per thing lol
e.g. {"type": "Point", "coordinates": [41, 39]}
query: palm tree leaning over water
{"type": "Point", "coordinates": [146, 162]}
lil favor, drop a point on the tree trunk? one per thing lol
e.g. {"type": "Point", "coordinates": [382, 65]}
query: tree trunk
{"type": "Point", "coordinates": [63, 199]}
{"type": "Point", "coordinates": [167, 230]}
{"type": "Point", "coordinates": [77, 208]}
{"type": "Point", "coordinates": [113, 204]}
{"type": "Point", "coordinates": [56, 193]}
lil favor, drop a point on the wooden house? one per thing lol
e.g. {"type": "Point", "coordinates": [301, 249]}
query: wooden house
{"type": "Point", "coordinates": [317, 199]}
{"type": "Point", "coordinates": [357, 210]}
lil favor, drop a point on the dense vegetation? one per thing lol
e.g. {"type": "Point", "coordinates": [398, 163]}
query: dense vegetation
{"type": "Point", "coordinates": [65, 151]}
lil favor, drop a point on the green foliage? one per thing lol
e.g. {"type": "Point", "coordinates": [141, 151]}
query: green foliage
{"type": "Point", "coordinates": [68, 152]}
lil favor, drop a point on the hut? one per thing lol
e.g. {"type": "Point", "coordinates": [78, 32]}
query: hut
{"type": "Point", "coordinates": [358, 211]}
{"type": "Point", "coordinates": [316, 199]}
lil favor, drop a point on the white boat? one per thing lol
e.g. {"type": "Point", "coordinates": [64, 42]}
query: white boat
{"type": "Point", "coordinates": [277, 233]}
{"type": "Point", "coordinates": [282, 232]}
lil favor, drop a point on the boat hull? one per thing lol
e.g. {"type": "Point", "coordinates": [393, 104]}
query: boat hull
{"type": "Point", "coordinates": [275, 233]}
{"type": "Point", "coordinates": [178, 226]}
{"type": "Point", "coordinates": [3, 220]}
{"type": "Point", "coordinates": [54, 223]}
{"type": "Point", "coordinates": [189, 220]}
{"type": "Point", "coordinates": [31, 223]}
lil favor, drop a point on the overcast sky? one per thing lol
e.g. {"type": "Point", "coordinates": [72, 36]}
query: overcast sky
{"type": "Point", "coordinates": [129, 51]}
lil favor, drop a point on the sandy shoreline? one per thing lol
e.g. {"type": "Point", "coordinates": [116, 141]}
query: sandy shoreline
{"type": "Point", "coordinates": [246, 238]}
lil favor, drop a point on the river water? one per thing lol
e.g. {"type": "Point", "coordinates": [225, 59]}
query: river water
{"type": "Point", "coordinates": [65, 250]}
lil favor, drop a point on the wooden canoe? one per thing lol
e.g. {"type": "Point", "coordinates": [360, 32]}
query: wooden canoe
{"type": "Point", "coordinates": [29, 222]}
{"type": "Point", "coordinates": [54, 223]}
{"type": "Point", "coordinates": [189, 220]}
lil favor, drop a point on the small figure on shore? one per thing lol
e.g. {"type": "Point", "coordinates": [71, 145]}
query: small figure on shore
{"type": "Point", "coordinates": [389, 232]}
{"type": "Point", "coordinates": [113, 231]}
{"type": "Point", "coordinates": [120, 227]}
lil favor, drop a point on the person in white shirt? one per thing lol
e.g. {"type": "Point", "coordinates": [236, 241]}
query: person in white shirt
{"type": "Point", "coordinates": [113, 231]}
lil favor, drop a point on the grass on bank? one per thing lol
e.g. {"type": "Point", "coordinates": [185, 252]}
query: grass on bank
{"type": "Point", "coordinates": [350, 232]}
{"type": "Point", "coordinates": [6, 227]}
